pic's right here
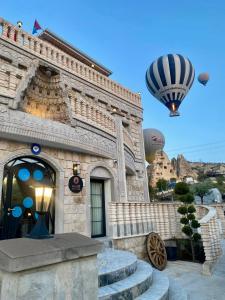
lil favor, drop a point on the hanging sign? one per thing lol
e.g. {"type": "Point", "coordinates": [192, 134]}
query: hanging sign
{"type": "Point", "coordinates": [76, 184]}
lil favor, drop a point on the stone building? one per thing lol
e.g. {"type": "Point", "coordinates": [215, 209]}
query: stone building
{"type": "Point", "coordinates": [55, 96]}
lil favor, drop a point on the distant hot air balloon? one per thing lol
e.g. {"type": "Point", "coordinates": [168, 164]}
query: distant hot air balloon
{"type": "Point", "coordinates": [169, 79]}
{"type": "Point", "coordinates": [203, 78]}
{"type": "Point", "coordinates": [154, 140]}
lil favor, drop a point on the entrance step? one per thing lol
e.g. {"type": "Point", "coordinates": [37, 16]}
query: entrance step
{"type": "Point", "coordinates": [130, 287]}
{"type": "Point", "coordinates": [159, 290]}
{"type": "Point", "coordinates": [114, 266]}
{"type": "Point", "coordinates": [123, 277]}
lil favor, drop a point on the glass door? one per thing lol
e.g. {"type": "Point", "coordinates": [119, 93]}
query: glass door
{"type": "Point", "coordinates": [97, 209]}
{"type": "Point", "coordinates": [23, 180]}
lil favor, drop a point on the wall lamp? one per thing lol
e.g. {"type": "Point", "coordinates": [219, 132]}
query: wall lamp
{"type": "Point", "coordinates": [76, 168]}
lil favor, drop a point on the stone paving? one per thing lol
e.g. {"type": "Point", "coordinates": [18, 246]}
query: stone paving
{"type": "Point", "coordinates": [199, 287]}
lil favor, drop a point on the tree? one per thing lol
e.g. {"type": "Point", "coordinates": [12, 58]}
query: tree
{"type": "Point", "coordinates": [201, 176]}
{"type": "Point", "coordinates": [152, 192]}
{"type": "Point", "coordinates": [202, 189]}
{"type": "Point", "coordinates": [220, 184]}
{"type": "Point", "coordinates": [187, 210]}
{"type": "Point", "coordinates": [162, 185]}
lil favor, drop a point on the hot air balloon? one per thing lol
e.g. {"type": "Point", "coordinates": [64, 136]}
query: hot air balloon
{"type": "Point", "coordinates": [154, 140]}
{"type": "Point", "coordinates": [203, 78]}
{"type": "Point", "coordinates": [169, 79]}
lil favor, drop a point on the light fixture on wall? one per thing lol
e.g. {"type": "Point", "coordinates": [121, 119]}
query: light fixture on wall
{"type": "Point", "coordinates": [76, 168]}
{"type": "Point", "coordinates": [42, 199]}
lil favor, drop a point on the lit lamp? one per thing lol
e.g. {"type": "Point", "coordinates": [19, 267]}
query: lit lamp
{"type": "Point", "coordinates": [43, 197]}
{"type": "Point", "coordinates": [76, 169]}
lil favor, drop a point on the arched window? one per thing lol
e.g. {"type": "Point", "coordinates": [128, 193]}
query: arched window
{"type": "Point", "coordinates": [26, 181]}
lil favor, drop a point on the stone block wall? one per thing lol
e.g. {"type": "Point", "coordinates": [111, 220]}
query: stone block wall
{"type": "Point", "coordinates": [131, 223]}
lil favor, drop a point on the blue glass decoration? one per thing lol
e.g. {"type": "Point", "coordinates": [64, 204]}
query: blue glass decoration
{"type": "Point", "coordinates": [17, 212]}
{"type": "Point", "coordinates": [24, 174]}
{"type": "Point", "coordinates": [36, 215]}
{"type": "Point", "coordinates": [35, 149]}
{"type": "Point", "coordinates": [28, 202]}
{"type": "Point", "coordinates": [38, 175]}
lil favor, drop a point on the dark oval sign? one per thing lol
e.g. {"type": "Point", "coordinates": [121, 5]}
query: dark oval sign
{"type": "Point", "coordinates": [75, 184]}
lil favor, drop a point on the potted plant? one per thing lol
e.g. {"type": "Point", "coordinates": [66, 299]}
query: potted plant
{"type": "Point", "coordinates": [187, 210]}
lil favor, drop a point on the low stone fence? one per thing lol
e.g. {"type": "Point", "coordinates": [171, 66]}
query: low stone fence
{"type": "Point", "coordinates": [220, 216]}
{"type": "Point", "coordinates": [131, 222]}
{"type": "Point", "coordinates": [211, 237]}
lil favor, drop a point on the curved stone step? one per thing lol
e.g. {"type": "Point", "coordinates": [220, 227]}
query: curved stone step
{"type": "Point", "coordinates": [115, 265]}
{"type": "Point", "coordinates": [130, 287]}
{"type": "Point", "coordinates": [159, 290]}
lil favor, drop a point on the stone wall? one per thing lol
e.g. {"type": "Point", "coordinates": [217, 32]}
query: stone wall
{"type": "Point", "coordinates": [131, 222]}
{"type": "Point", "coordinates": [211, 238]}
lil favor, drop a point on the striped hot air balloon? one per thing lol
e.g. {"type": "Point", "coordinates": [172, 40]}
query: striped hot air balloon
{"type": "Point", "coordinates": [169, 79]}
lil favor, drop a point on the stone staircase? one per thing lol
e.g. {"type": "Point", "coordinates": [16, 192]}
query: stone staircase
{"type": "Point", "coordinates": [124, 277]}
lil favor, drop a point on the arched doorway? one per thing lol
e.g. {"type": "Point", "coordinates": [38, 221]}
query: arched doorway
{"type": "Point", "coordinates": [25, 180]}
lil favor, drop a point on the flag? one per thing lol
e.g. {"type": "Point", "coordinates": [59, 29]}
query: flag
{"type": "Point", "coordinates": [36, 27]}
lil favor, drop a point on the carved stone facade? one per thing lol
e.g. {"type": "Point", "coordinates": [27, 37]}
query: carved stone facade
{"type": "Point", "coordinates": [78, 115]}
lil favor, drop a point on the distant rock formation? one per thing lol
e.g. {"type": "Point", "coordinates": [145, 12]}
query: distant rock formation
{"type": "Point", "coordinates": [183, 168]}
{"type": "Point", "coordinates": [180, 168]}
{"type": "Point", "coordinates": [161, 167]}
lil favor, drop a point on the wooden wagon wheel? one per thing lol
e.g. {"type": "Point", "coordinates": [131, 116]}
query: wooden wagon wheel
{"type": "Point", "coordinates": [156, 251]}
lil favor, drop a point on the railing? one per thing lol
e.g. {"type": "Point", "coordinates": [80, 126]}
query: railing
{"type": "Point", "coordinates": [131, 219]}
{"type": "Point", "coordinates": [210, 232]}
{"type": "Point", "coordinates": [55, 56]}
{"type": "Point", "coordinates": [138, 219]}
{"type": "Point", "coordinates": [88, 112]}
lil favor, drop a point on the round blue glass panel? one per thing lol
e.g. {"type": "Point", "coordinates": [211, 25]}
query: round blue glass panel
{"type": "Point", "coordinates": [24, 174]}
{"type": "Point", "coordinates": [28, 202]}
{"type": "Point", "coordinates": [17, 212]}
{"type": "Point", "coordinates": [38, 175]}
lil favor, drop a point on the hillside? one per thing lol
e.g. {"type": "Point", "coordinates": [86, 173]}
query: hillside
{"type": "Point", "coordinates": [180, 168]}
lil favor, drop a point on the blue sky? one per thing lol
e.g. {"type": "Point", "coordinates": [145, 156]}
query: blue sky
{"type": "Point", "coordinates": [126, 36]}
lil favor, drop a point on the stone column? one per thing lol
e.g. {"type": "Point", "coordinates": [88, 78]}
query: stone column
{"type": "Point", "coordinates": [121, 169]}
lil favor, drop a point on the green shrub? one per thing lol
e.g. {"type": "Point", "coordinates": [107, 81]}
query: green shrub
{"type": "Point", "coordinates": [196, 237]}
{"type": "Point", "coordinates": [187, 230]}
{"type": "Point", "coordinates": [181, 188]}
{"type": "Point", "coordinates": [195, 224]}
{"type": "Point", "coordinates": [184, 220]}
{"type": "Point", "coordinates": [191, 209]}
{"type": "Point", "coordinates": [191, 217]}
{"type": "Point", "coordinates": [182, 210]}
{"type": "Point", "coordinates": [189, 198]}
